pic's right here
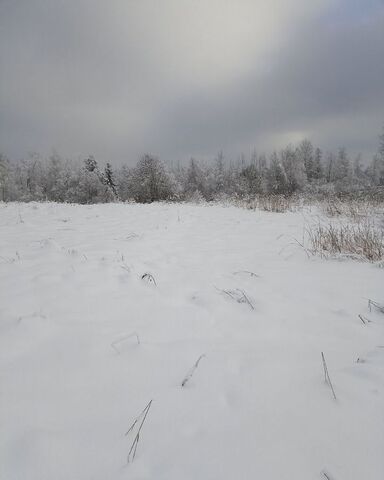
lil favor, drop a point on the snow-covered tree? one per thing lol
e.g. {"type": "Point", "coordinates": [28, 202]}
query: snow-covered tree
{"type": "Point", "coordinates": [123, 176]}
{"type": "Point", "coordinates": [90, 164]}
{"type": "Point", "coordinates": [50, 176]}
{"type": "Point", "coordinates": [375, 170]}
{"type": "Point", "coordinates": [4, 176]}
{"type": "Point", "coordinates": [150, 181]}
{"type": "Point", "coordinates": [343, 166]}
{"type": "Point", "coordinates": [277, 180]}
{"type": "Point", "coordinates": [318, 169]}
{"type": "Point", "coordinates": [329, 167]}
{"type": "Point", "coordinates": [110, 179]}
{"type": "Point", "coordinates": [305, 155]}
{"type": "Point", "coordinates": [359, 176]}
{"type": "Point", "coordinates": [294, 169]}
{"type": "Point", "coordinates": [195, 179]}
{"type": "Point", "coordinates": [381, 145]}
{"type": "Point", "coordinates": [91, 185]}
{"type": "Point", "coordinates": [218, 175]}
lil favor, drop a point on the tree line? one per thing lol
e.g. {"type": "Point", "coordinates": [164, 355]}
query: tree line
{"type": "Point", "coordinates": [294, 169]}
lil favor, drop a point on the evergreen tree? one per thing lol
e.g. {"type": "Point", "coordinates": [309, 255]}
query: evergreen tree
{"type": "Point", "coordinates": [90, 164]}
{"type": "Point", "coordinates": [109, 179]}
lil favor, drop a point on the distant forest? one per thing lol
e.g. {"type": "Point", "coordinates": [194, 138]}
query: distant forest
{"type": "Point", "coordinates": [294, 169]}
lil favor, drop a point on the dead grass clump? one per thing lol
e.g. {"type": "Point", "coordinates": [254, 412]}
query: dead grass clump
{"type": "Point", "coordinates": [355, 210]}
{"type": "Point", "coordinates": [363, 241]}
{"type": "Point", "coordinates": [272, 203]}
{"type": "Point", "coordinates": [332, 208]}
{"type": "Point", "coordinates": [275, 203]}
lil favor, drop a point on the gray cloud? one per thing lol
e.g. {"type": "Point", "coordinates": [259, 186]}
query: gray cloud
{"type": "Point", "coordinates": [188, 77]}
{"type": "Point", "coordinates": [326, 84]}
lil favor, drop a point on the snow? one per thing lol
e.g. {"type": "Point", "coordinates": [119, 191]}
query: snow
{"type": "Point", "coordinates": [86, 343]}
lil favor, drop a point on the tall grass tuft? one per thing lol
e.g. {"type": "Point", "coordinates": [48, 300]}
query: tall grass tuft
{"type": "Point", "coordinates": [363, 241]}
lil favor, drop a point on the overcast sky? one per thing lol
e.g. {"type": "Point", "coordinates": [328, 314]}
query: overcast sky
{"type": "Point", "coordinates": [181, 78]}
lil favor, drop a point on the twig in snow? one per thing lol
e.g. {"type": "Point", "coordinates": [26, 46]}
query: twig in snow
{"type": "Point", "coordinates": [378, 306]}
{"type": "Point", "coordinates": [120, 340]}
{"type": "Point", "coordinates": [326, 475]}
{"type": "Point", "coordinates": [131, 235]}
{"type": "Point", "coordinates": [362, 319]}
{"type": "Point", "coordinates": [142, 417]}
{"type": "Point", "coordinates": [251, 274]}
{"type": "Point", "coordinates": [365, 320]}
{"type": "Point", "coordinates": [247, 300]}
{"type": "Point", "coordinates": [149, 278]}
{"type": "Point", "coordinates": [192, 371]}
{"type": "Point", "coordinates": [326, 375]}
{"type": "Point", "coordinates": [238, 295]}
{"type": "Point", "coordinates": [7, 260]}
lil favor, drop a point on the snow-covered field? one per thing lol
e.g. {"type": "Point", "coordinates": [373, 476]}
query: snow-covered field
{"type": "Point", "coordinates": [73, 377]}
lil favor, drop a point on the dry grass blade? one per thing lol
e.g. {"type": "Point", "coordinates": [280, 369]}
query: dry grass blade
{"type": "Point", "coordinates": [192, 371]}
{"type": "Point", "coordinates": [142, 417]}
{"type": "Point", "coordinates": [247, 272]}
{"type": "Point", "coordinates": [376, 305]}
{"type": "Point", "coordinates": [238, 295]}
{"type": "Point", "coordinates": [123, 339]}
{"type": "Point", "coordinates": [245, 299]}
{"type": "Point", "coordinates": [131, 235]}
{"type": "Point", "coordinates": [326, 475]}
{"type": "Point", "coordinates": [326, 375]}
{"type": "Point", "coordinates": [364, 320]}
{"type": "Point", "coordinates": [149, 278]}
{"type": "Point", "coordinates": [302, 246]}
